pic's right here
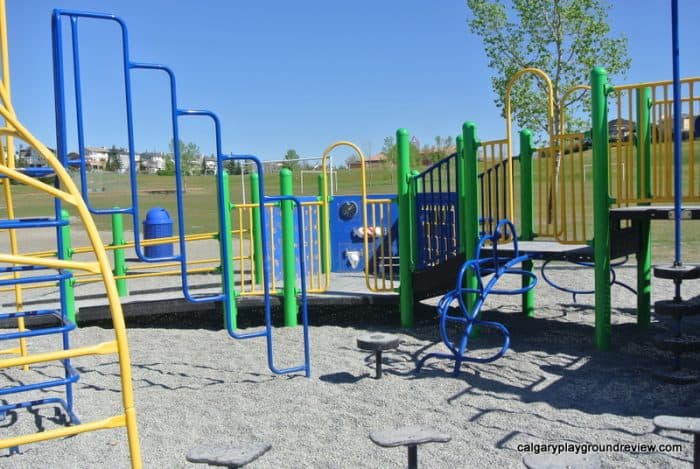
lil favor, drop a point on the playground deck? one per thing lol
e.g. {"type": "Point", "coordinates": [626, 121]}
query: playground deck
{"type": "Point", "coordinates": [655, 212]}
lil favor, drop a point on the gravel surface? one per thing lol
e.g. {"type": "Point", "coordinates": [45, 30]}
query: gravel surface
{"type": "Point", "coordinates": [195, 386]}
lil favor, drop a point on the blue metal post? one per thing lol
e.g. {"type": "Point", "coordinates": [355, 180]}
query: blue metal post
{"type": "Point", "coordinates": [677, 183]}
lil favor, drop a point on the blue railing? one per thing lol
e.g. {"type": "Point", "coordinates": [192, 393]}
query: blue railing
{"type": "Point", "coordinates": [493, 192]}
{"type": "Point", "coordinates": [437, 213]}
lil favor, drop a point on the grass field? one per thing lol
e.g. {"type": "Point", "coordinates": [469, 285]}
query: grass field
{"type": "Point", "coordinates": [106, 190]}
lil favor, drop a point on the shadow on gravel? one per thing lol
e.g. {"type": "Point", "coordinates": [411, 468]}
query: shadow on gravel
{"type": "Point", "coordinates": [552, 357]}
{"type": "Point", "coordinates": [553, 360]}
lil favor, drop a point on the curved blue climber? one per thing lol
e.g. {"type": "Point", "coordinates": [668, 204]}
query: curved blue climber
{"type": "Point", "coordinates": [471, 300]}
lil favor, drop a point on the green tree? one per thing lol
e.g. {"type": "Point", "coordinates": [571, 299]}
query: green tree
{"type": "Point", "coordinates": [233, 167]}
{"type": "Point", "coordinates": [291, 159]}
{"type": "Point", "coordinates": [390, 150]}
{"type": "Point", "coordinates": [189, 153]}
{"type": "Point", "coordinates": [442, 149]}
{"type": "Point", "coordinates": [563, 38]}
{"type": "Point", "coordinates": [169, 169]}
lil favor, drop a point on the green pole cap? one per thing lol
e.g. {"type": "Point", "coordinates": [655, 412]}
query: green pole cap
{"type": "Point", "coordinates": [599, 71]}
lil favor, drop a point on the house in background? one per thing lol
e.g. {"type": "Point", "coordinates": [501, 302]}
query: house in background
{"type": "Point", "coordinates": [208, 166]}
{"type": "Point", "coordinates": [124, 164]}
{"type": "Point", "coordinates": [96, 158]}
{"type": "Point", "coordinates": [370, 162]}
{"type": "Point", "coordinates": [30, 158]}
{"type": "Point", "coordinates": [152, 162]}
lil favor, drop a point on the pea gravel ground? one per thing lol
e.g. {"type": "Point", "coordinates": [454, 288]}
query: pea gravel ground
{"type": "Point", "coordinates": [196, 384]}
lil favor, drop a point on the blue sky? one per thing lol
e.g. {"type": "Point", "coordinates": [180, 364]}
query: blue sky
{"type": "Point", "coordinates": [296, 74]}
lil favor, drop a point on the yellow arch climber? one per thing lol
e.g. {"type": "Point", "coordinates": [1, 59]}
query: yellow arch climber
{"type": "Point", "coordinates": [69, 195]}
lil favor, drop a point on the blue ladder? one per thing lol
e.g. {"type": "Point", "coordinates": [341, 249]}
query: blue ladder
{"type": "Point", "coordinates": [228, 294]}
{"type": "Point", "coordinates": [24, 274]}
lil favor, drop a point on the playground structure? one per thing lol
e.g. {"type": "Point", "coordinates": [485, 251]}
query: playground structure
{"type": "Point", "coordinates": [558, 206]}
{"type": "Point", "coordinates": [459, 209]}
{"type": "Point", "coordinates": [449, 214]}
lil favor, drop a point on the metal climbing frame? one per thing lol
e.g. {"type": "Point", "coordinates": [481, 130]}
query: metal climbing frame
{"type": "Point", "coordinates": [494, 267]}
{"type": "Point", "coordinates": [61, 125]}
{"type": "Point", "coordinates": [19, 269]}
{"type": "Point", "coordinates": [228, 293]}
{"type": "Point", "coordinates": [229, 296]}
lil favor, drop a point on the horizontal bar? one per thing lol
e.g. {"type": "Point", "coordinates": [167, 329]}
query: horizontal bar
{"type": "Point", "coordinates": [69, 326]}
{"type": "Point", "coordinates": [100, 349]}
{"type": "Point", "coordinates": [20, 223]}
{"type": "Point", "coordinates": [93, 267]}
{"type": "Point", "coordinates": [111, 422]}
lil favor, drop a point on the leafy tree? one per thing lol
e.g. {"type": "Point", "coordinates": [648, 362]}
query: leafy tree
{"type": "Point", "coordinates": [233, 167]}
{"type": "Point", "coordinates": [442, 148]}
{"type": "Point", "coordinates": [563, 38]}
{"type": "Point", "coordinates": [390, 150]}
{"type": "Point", "coordinates": [292, 159]}
{"type": "Point", "coordinates": [188, 155]}
{"type": "Point", "coordinates": [169, 169]}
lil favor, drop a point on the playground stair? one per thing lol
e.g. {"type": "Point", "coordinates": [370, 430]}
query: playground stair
{"type": "Point", "coordinates": [677, 342]}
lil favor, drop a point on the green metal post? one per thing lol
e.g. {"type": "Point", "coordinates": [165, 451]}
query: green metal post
{"type": "Point", "coordinates": [289, 276]}
{"type": "Point", "coordinates": [470, 232]}
{"type": "Point", "coordinates": [227, 263]}
{"type": "Point", "coordinates": [526, 204]}
{"type": "Point", "coordinates": [406, 231]}
{"type": "Point", "coordinates": [322, 224]}
{"type": "Point", "coordinates": [644, 191]}
{"type": "Point", "coordinates": [119, 256]}
{"type": "Point", "coordinates": [257, 228]}
{"type": "Point", "coordinates": [601, 207]}
{"type": "Point", "coordinates": [67, 254]}
{"type": "Point", "coordinates": [461, 196]}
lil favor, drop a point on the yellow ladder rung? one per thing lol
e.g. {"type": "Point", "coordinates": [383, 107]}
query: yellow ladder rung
{"type": "Point", "coordinates": [111, 422]}
{"type": "Point", "coordinates": [100, 349]}
{"type": "Point", "coordinates": [11, 351]}
{"type": "Point", "coordinates": [93, 267]}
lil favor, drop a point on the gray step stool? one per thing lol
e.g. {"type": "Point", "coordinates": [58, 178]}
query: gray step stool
{"type": "Point", "coordinates": [377, 342]}
{"type": "Point", "coordinates": [227, 454]}
{"type": "Point", "coordinates": [685, 425]}
{"type": "Point", "coordinates": [410, 436]}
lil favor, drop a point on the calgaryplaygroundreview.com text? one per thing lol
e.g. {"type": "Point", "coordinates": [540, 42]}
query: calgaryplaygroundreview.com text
{"type": "Point", "coordinates": [585, 448]}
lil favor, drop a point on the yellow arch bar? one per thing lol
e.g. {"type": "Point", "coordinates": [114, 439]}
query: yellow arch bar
{"type": "Point", "coordinates": [509, 136]}
{"type": "Point", "coordinates": [363, 185]}
{"type": "Point", "coordinates": [71, 195]}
